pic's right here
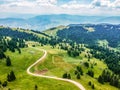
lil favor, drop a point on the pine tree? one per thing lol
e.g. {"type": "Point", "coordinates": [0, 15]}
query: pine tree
{"type": "Point", "coordinates": [8, 61]}
{"type": "Point", "coordinates": [90, 73]}
{"type": "Point", "coordinates": [65, 75]}
{"type": "Point", "coordinates": [79, 69]}
{"type": "Point", "coordinates": [101, 80]}
{"type": "Point", "coordinates": [8, 78]}
{"type": "Point", "coordinates": [36, 87]}
{"type": "Point", "coordinates": [12, 75]}
{"type": "Point", "coordinates": [78, 76]}
{"type": "Point", "coordinates": [69, 76]}
{"type": "Point", "coordinates": [4, 84]}
{"type": "Point", "coordinates": [89, 83]}
{"type": "Point", "coordinates": [86, 64]}
{"type": "Point", "coordinates": [76, 72]}
{"type": "Point", "coordinates": [2, 55]}
{"type": "Point", "coordinates": [93, 87]}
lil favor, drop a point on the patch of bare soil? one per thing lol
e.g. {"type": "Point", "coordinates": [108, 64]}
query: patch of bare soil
{"type": "Point", "coordinates": [41, 71]}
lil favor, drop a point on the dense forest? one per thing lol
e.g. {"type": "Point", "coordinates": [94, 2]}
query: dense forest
{"type": "Point", "coordinates": [89, 34]}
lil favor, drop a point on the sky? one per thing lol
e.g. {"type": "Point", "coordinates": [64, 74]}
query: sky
{"type": "Point", "coordinates": [75, 7]}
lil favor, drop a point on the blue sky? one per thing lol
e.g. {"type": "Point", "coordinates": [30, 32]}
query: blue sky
{"type": "Point", "coordinates": [76, 7]}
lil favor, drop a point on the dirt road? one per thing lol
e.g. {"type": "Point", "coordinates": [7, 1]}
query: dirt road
{"type": "Point", "coordinates": [39, 75]}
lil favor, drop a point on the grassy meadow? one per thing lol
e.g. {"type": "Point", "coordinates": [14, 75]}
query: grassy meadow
{"type": "Point", "coordinates": [58, 62]}
{"type": "Point", "coordinates": [20, 62]}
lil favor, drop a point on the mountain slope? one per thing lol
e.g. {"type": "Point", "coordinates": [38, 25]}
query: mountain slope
{"type": "Point", "coordinates": [89, 33]}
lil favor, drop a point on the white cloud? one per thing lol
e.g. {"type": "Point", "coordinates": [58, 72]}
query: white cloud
{"type": "Point", "coordinates": [27, 3]}
{"type": "Point", "coordinates": [116, 4]}
{"type": "Point", "coordinates": [46, 2]}
{"type": "Point", "coordinates": [23, 4]}
{"type": "Point", "coordinates": [106, 3]}
{"type": "Point", "coordinates": [74, 5]}
{"type": "Point", "coordinates": [99, 7]}
{"type": "Point", "coordinates": [101, 3]}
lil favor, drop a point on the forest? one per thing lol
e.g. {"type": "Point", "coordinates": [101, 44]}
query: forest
{"type": "Point", "coordinates": [90, 33]}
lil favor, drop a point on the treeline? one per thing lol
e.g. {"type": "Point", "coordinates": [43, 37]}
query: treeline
{"type": "Point", "coordinates": [40, 33]}
{"type": "Point", "coordinates": [79, 34]}
{"type": "Point", "coordinates": [17, 34]}
{"type": "Point", "coordinates": [72, 49]}
{"type": "Point", "coordinates": [30, 36]}
{"type": "Point", "coordinates": [12, 44]}
{"type": "Point", "coordinates": [109, 77]}
{"type": "Point", "coordinates": [110, 57]}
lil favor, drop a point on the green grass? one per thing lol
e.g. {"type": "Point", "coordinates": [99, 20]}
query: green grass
{"type": "Point", "coordinates": [30, 32]}
{"type": "Point", "coordinates": [20, 62]}
{"type": "Point", "coordinates": [53, 32]}
{"type": "Point", "coordinates": [58, 62]}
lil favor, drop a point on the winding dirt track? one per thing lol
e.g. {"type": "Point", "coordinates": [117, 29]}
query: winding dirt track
{"type": "Point", "coordinates": [39, 75]}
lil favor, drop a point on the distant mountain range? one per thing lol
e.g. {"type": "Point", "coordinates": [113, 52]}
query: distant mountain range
{"type": "Point", "coordinates": [43, 22]}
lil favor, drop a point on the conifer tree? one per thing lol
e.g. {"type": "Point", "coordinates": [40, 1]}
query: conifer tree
{"type": "Point", "coordinates": [8, 61]}
{"type": "Point", "coordinates": [4, 84]}
{"type": "Point", "coordinates": [12, 75]}
{"type": "Point", "coordinates": [65, 75]}
{"type": "Point", "coordinates": [89, 83]}
{"type": "Point", "coordinates": [93, 87]}
{"type": "Point", "coordinates": [8, 78]}
{"type": "Point", "coordinates": [36, 87]}
{"type": "Point", "coordinates": [69, 76]}
{"type": "Point", "coordinates": [78, 76]}
{"type": "Point", "coordinates": [101, 80]}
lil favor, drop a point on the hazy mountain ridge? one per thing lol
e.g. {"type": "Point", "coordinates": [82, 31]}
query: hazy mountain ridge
{"type": "Point", "coordinates": [43, 22]}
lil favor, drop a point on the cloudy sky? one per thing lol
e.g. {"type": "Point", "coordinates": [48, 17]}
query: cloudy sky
{"type": "Point", "coordinates": [79, 7]}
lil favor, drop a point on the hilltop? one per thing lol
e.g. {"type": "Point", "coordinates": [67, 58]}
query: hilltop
{"type": "Point", "coordinates": [88, 33]}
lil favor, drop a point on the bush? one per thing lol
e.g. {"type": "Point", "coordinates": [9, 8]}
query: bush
{"type": "Point", "coordinates": [65, 75]}
{"type": "Point", "coordinates": [90, 73]}
{"type": "Point", "coordinates": [0, 82]}
{"type": "Point", "coordinates": [93, 87]}
{"type": "Point", "coordinates": [86, 64]}
{"type": "Point", "coordinates": [78, 76]}
{"type": "Point", "coordinates": [4, 84]}
{"type": "Point", "coordinates": [36, 87]}
{"type": "Point", "coordinates": [89, 83]}
{"type": "Point", "coordinates": [69, 76]}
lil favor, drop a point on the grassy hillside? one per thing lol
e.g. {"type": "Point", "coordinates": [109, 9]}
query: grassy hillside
{"type": "Point", "coordinates": [58, 62]}
{"type": "Point", "coordinates": [53, 31]}
{"type": "Point", "coordinates": [20, 62]}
